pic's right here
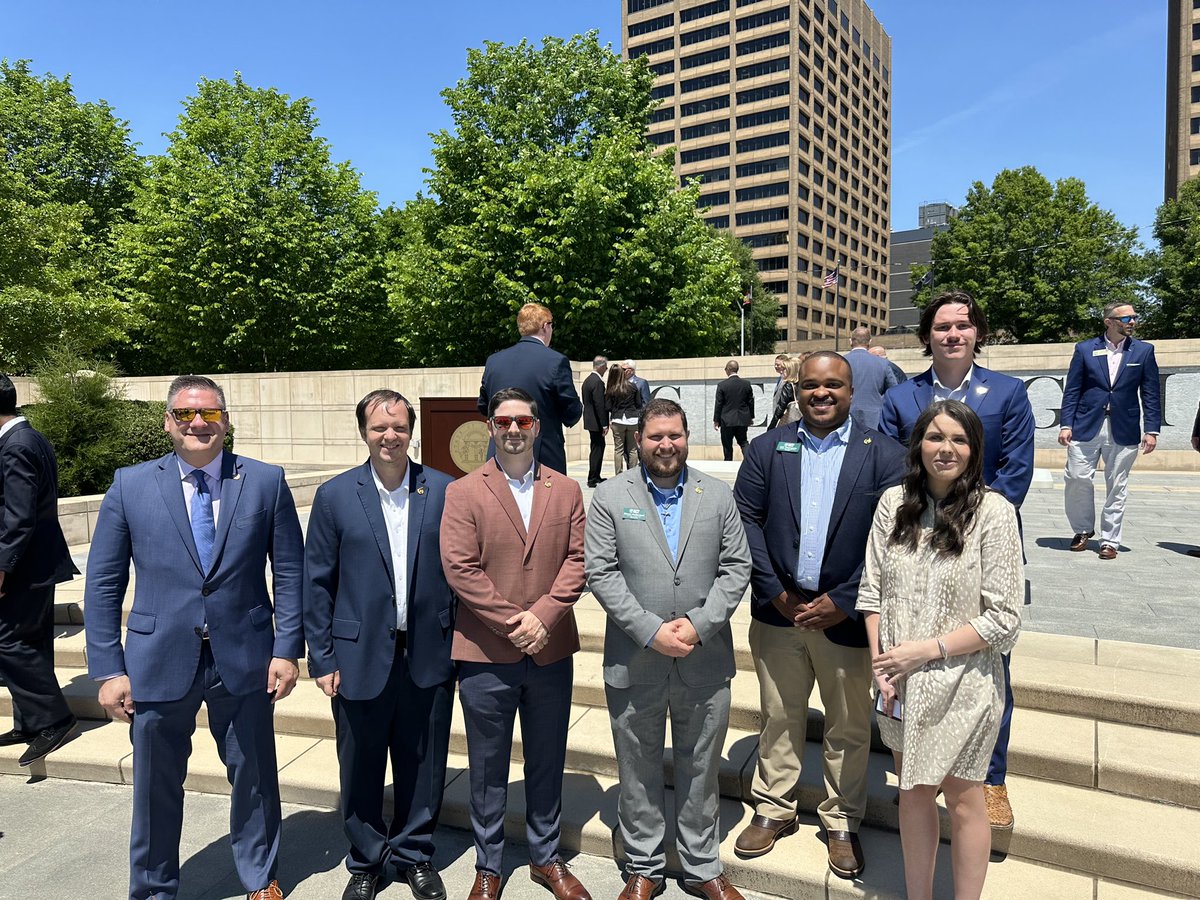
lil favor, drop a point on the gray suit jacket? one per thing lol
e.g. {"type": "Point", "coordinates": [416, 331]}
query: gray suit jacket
{"type": "Point", "coordinates": [630, 570]}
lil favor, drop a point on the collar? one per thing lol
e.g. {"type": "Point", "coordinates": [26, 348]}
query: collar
{"type": "Point", "coordinates": [840, 435]}
{"type": "Point", "coordinates": [676, 491]}
{"type": "Point", "coordinates": [1116, 348]}
{"type": "Point", "coordinates": [379, 485]}
{"type": "Point", "coordinates": [10, 425]}
{"type": "Point", "coordinates": [212, 471]}
{"type": "Point", "coordinates": [937, 382]}
{"type": "Point", "coordinates": [527, 478]}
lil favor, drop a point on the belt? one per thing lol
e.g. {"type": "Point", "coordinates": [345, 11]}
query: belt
{"type": "Point", "coordinates": [201, 633]}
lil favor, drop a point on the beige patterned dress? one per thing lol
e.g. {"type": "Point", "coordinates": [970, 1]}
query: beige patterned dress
{"type": "Point", "coordinates": [951, 709]}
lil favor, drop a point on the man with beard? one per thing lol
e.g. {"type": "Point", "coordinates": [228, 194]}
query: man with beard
{"type": "Point", "coordinates": [807, 494]}
{"type": "Point", "coordinates": [666, 556]}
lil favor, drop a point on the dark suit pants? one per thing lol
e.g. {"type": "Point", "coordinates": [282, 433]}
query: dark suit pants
{"type": "Point", "coordinates": [728, 434]}
{"type": "Point", "coordinates": [410, 724]}
{"type": "Point", "coordinates": [998, 767]}
{"type": "Point", "coordinates": [27, 659]}
{"type": "Point", "coordinates": [595, 455]}
{"type": "Point", "coordinates": [162, 742]}
{"type": "Point", "coordinates": [492, 695]}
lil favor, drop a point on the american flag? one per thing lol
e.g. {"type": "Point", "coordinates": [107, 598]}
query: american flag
{"type": "Point", "coordinates": [831, 278]}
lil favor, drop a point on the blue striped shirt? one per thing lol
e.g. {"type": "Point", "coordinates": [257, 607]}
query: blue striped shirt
{"type": "Point", "coordinates": [820, 467]}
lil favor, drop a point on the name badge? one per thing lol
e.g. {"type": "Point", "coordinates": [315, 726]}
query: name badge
{"type": "Point", "coordinates": [787, 447]}
{"type": "Point", "coordinates": [1103, 351]}
{"type": "Point", "coordinates": [633, 515]}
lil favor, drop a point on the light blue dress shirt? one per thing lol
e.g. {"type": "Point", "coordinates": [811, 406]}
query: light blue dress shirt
{"type": "Point", "coordinates": [820, 468]}
{"type": "Point", "coordinates": [669, 504]}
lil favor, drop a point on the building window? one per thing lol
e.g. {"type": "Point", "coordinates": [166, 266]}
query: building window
{"type": "Point", "coordinates": [721, 174]}
{"type": "Point", "coordinates": [663, 68]}
{"type": "Point", "coordinates": [662, 137]}
{"type": "Point", "coordinates": [714, 79]}
{"type": "Point", "coordinates": [775, 287]}
{"type": "Point", "coordinates": [638, 5]}
{"type": "Point", "coordinates": [695, 131]}
{"type": "Point", "coordinates": [772, 263]}
{"type": "Point", "coordinates": [758, 20]}
{"type": "Point", "coordinates": [1195, 124]}
{"type": "Point", "coordinates": [710, 104]}
{"type": "Point", "coordinates": [771, 239]}
{"type": "Point", "coordinates": [779, 139]}
{"type": "Point", "coordinates": [704, 34]}
{"type": "Point", "coordinates": [766, 117]}
{"type": "Point", "coordinates": [703, 59]}
{"type": "Point", "coordinates": [777, 189]}
{"type": "Point", "coordinates": [763, 167]}
{"type": "Point", "coordinates": [663, 115]}
{"type": "Point", "coordinates": [1194, 157]}
{"type": "Point", "coordinates": [765, 92]}
{"type": "Point", "coordinates": [1195, 30]}
{"type": "Point", "coordinates": [652, 25]}
{"type": "Point", "coordinates": [662, 91]}
{"type": "Point", "coordinates": [653, 47]}
{"type": "Point", "coordinates": [716, 198]}
{"type": "Point", "coordinates": [717, 221]}
{"type": "Point", "coordinates": [704, 10]}
{"type": "Point", "coordinates": [1196, 93]}
{"type": "Point", "coordinates": [713, 152]}
{"type": "Point", "coordinates": [757, 45]}
{"type": "Point", "coordinates": [775, 214]}
{"type": "Point", "coordinates": [763, 68]}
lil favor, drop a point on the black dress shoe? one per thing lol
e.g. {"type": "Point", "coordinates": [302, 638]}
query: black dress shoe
{"type": "Point", "coordinates": [47, 741]}
{"type": "Point", "coordinates": [361, 887]}
{"type": "Point", "coordinates": [425, 882]}
{"type": "Point", "coordinates": [16, 736]}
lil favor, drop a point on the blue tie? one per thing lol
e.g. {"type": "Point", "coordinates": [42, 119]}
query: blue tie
{"type": "Point", "coordinates": [204, 526]}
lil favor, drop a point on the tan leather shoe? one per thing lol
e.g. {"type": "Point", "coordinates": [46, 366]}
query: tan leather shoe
{"type": "Point", "coordinates": [271, 892]}
{"type": "Point", "coordinates": [639, 887]}
{"type": "Point", "coordinates": [486, 887]}
{"type": "Point", "coordinates": [761, 834]}
{"type": "Point", "coordinates": [1000, 814]}
{"type": "Point", "coordinates": [717, 888]}
{"type": "Point", "coordinates": [846, 858]}
{"type": "Point", "coordinates": [558, 878]}
{"type": "Point", "coordinates": [1079, 541]}
{"type": "Point", "coordinates": [1108, 551]}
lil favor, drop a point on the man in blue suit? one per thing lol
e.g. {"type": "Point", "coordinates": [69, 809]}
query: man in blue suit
{"type": "Point", "coordinates": [954, 329]}
{"type": "Point", "coordinates": [1110, 408]}
{"type": "Point", "coordinates": [545, 375]}
{"type": "Point", "coordinates": [807, 494]}
{"type": "Point", "coordinates": [378, 619]}
{"type": "Point", "coordinates": [199, 526]}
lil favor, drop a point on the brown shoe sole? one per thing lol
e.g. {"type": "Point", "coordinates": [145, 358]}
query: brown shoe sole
{"type": "Point", "coordinates": [782, 832]}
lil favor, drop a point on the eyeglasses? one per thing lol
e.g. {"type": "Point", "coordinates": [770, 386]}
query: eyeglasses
{"type": "Point", "coordinates": [503, 423]}
{"type": "Point", "coordinates": [184, 415]}
{"type": "Point", "coordinates": [1124, 320]}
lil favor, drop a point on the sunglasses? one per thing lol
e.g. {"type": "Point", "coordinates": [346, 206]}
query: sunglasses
{"type": "Point", "coordinates": [184, 415]}
{"type": "Point", "coordinates": [503, 423]}
{"type": "Point", "coordinates": [1125, 320]}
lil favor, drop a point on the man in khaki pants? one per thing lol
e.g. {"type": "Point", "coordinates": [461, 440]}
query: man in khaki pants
{"type": "Point", "coordinates": [807, 493]}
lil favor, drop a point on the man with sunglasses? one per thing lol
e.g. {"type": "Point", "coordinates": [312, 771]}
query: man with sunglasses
{"type": "Point", "coordinates": [1110, 407]}
{"type": "Point", "coordinates": [512, 551]}
{"type": "Point", "coordinates": [199, 525]}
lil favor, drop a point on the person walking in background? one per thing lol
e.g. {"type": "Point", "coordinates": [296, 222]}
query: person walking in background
{"type": "Point", "coordinates": [780, 370]}
{"type": "Point", "coordinates": [595, 418]}
{"type": "Point", "coordinates": [640, 384]}
{"type": "Point", "coordinates": [872, 378]}
{"type": "Point", "coordinates": [199, 526]}
{"type": "Point", "coordinates": [378, 618]}
{"type": "Point", "coordinates": [542, 373]}
{"type": "Point", "coordinates": [623, 404]}
{"type": "Point", "coordinates": [665, 554]}
{"type": "Point", "coordinates": [33, 559]}
{"type": "Point", "coordinates": [733, 411]}
{"type": "Point", "coordinates": [784, 412]}
{"type": "Point", "coordinates": [1110, 407]}
{"type": "Point", "coordinates": [512, 550]}
{"type": "Point", "coordinates": [940, 595]}
{"type": "Point", "coordinates": [881, 352]}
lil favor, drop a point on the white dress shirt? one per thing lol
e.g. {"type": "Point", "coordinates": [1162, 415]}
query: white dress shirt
{"type": "Point", "coordinates": [10, 425]}
{"type": "Point", "coordinates": [212, 473]}
{"type": "Point", "coordinates": [522, 491]}
{"type": "Point", "coordinates": [395, 517]}
{"type": "Point", "coordinates": [1116, 353]}
{"type": "Point", "coordinates": [942, 392]}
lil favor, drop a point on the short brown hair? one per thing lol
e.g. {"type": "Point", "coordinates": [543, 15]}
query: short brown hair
{"type": "Point", "coordinates": [974, 312]}
{"type": "Point", "coordinates": [531, 318]}
{"type": "Point", "coordinates": [385, 398]}
{"type": "Point", "coordinates": [661, 408]}
{"type": "Point", "coordinates": [194, 382]}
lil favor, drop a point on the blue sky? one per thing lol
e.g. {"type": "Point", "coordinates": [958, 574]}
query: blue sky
{"type": "Point", "coordinates": [1075, 87]}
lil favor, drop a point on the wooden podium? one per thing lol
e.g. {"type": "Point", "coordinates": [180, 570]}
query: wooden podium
{"type": "Point", "coordinates": [454, 435]}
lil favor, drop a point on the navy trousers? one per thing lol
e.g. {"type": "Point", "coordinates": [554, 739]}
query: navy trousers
{"type": "Point", "coordinates": [492, 696]}
{"type": "Point", "coordinates": [998, 767]}
{"type": "Point", "coordinates": [410, 724]}
{"type": "Point", "coordinates": [162, 742]}
{"type": "Point", "coordinates": [27, 660]}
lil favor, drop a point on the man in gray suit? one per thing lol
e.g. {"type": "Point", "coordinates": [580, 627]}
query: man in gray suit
{"type": "Point", "coordinates": [872, 378]}
{"type": "Point", "coordinates": [666, 555]}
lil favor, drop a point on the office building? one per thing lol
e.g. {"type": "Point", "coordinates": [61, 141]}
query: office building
{"type": "Point", "coordinates": [1183, 94]}
{"type": "Point", "coordinates": [913, 247]}
{"type": "Point", "coordinates": [782, 110]}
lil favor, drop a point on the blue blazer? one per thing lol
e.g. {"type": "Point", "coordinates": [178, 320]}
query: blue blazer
{"type": "Point", "coordinates": [1087, 393]}
{"type": "Point", "coordinates": [144, 519]}
{"type": "Point", "coordinates": [1008, 427]}
{"type": "Point", "coordinates": [546, 375]}
{"type": "Point", "coordinates": [767, 492]}
{"type": "Point", "coordinates": [349, 584]}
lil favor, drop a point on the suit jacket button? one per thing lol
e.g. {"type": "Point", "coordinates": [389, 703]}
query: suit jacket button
{"type": "Point", "coordinates": [392, 632]}
{"type": "Point", "coordinates": [678, 581]}
{"type": "Point", "coordinates": [204, 592]}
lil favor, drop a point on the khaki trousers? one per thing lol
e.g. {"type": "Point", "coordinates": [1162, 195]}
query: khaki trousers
{"type": "Point", "coordinates": [788, 662]}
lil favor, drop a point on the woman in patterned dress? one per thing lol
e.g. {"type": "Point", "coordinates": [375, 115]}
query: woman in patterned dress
{"type": "Point", "coordinates": [940, 595]}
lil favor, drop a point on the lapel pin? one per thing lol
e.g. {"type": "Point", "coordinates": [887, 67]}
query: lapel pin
{"type": "Point", "coordinates": [421, 490]}
{"type": "Point", "coordinates": [547, 482]}
{"type": "Point", "coordinates": [866, 440]}
{"type": "Point", "coordinates": [699, 490]}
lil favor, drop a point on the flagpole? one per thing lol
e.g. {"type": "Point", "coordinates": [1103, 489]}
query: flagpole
{"type": "Point", "coordinates": [837, 298]}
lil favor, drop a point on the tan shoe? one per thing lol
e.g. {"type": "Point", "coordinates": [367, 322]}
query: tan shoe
{"type": "Point", "coordinates": [846, 858]}
{"type": "Point", "coordinates": [1000, 814]}
{"type": "Point", "coordinates": [486, 886]}
{"type": "Point", "coordinates": [717, 888]}
{"type": "Point", "coordinates": [559, 880]}
{"type": "Point", "coordinates": [271, 892]}
{"type": "Point", "coordinates": [760, 835]}
{"type": "Point", "coordinates": [639, 887]}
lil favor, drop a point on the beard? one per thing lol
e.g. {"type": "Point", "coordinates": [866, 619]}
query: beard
{"type": "Point", "coordinates": [666, 466]}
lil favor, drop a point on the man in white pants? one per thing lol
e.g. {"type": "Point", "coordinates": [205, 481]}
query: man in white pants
{"type": "Point", "coordinates": [1111, 407]}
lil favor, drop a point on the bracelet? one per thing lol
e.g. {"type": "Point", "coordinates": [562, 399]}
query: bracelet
{"type": "Point", "coordinates": [942, 649]}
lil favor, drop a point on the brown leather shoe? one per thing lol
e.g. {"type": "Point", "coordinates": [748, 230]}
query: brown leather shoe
{"type": "Point", "coordinates": [486, 886]}
{"type": "Point", "coordinates": [1000, 814]}
{"type": "Point", "coordinates": [846, 858]}
{"type": "Point", "coordinates": [639, 887]}
{"type": "Point", "coordinates": [558, 878]}
{"type": "Point", "coordinates": [1108, 551]}
{"type": "Point", "coordinates": [717, 888]}
{"type": "Point", "coordinates": [1079, 542]}
{"type": "Point", "coordinates": [761, 834]}
{"type": "Point", "coordinates": [271, 892]}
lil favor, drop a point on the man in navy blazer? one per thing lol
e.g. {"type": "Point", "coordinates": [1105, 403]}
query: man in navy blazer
{"type": "Point", "coordinates": [954, 329]}
{"type": "Point", "coordinates": [378, 619]}
{"type": "Point", "coordinates": [545, 375]}
{"type": "Point", "coordinates": [807, 493]}
{"type": "Point", "coordinates": [1110, 407]}
{"type": "Point", "coordinates": [199, 526]}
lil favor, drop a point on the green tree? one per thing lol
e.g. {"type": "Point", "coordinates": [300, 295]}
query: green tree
{"type": "Point", "coordinates": [252, 250]}
{"type": "Point", "coordinates": [67, 175]}
{"type": "Point", "coordinates": [547, 190]}
{"type": "Point", "coordinates": [1041, 257]}
{"type": "Point", "coordinates": [762, 317]}
{"type": "Point", "coordinates": [1175, 267]}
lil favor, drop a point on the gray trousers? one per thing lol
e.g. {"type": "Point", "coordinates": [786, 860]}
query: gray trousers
{"type": "Point", "coordinates": [699, 722]}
